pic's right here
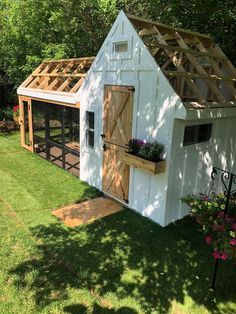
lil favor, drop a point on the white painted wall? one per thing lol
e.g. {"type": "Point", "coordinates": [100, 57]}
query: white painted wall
{"type": "Point", "coordinates": [191, 165]}
{"type": "Point", "coordinates": [153, 114]}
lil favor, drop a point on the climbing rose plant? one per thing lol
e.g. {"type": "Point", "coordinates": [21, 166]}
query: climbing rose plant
{"type": "Point", "coordinates": [219, 228]}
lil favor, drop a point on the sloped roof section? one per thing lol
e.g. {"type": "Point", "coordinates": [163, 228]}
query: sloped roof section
{"type": "Point", "coordinates": [195, 66]}
{"type": "Point", "coordinates": [59, 76]}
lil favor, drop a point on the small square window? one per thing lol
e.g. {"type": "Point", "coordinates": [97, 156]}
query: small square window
{"type": "Point", "coordinates": [194, 134]}
{"type": "Point", "coordinates": [189, 134]}
{"type": "Point", "coordinates": [90, 128]}
{"type": "Point", "coordinates": [204, 132]}
{"type": "Point", "coordinates": [120, 47]}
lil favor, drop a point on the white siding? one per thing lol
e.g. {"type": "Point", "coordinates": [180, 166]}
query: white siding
{"type": "Point", "coordinates": [191, 165]}
{"type": "Point", "coordinates": [153, 114]}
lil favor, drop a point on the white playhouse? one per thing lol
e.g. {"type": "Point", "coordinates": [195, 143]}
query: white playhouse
{"type": "Point", "coordinates": [148, 81]}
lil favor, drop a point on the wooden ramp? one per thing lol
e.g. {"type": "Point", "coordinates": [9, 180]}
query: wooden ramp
{"type": "Point", "coordinates": [88, 211]}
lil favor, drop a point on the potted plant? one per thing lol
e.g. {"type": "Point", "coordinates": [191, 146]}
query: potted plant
{"type": "Point", "coordinates": [218, 227]}
{"type": "Point", "coordinates": [145, 155]}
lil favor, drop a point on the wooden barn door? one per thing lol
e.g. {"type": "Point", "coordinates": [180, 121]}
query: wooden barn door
{"type": "Point", "coordinates": [117, 130]}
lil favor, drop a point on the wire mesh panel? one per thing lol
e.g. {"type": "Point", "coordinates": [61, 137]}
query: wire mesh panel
{"type": "Point", "coordinates": [56, 134]}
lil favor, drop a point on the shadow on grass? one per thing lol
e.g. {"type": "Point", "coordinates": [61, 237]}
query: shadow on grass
{"type": "Point", "coordinates": [124, 256]}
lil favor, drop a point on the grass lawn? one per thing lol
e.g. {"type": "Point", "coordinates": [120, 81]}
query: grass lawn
{"type": "Point", "coordinates": [120, 264]}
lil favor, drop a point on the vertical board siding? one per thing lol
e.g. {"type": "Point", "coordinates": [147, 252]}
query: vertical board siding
{"type": "Point", "coordinates": [191, 165]}
{"type": "Point", "coordinates": [153, 112]}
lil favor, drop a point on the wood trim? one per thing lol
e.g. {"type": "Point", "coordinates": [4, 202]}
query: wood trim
{"type": "Point", "coordinates": [165, 28]}
{"type": "Point", "coordinates": [30, 122]}
{"type": "Point", "coordinates": [77, 105]}
{"type": "Point", "coordinates": [199, 76]}
{"type": "Point", "coordinates": [147, 165]}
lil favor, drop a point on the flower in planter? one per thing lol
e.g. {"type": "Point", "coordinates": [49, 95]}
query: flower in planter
{"type": "Point", "coordinates": [135, 146]}
{"type": "Point", "coordinates": [146, 150]}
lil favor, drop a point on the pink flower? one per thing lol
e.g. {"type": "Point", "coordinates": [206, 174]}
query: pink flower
{"type": "Point", "coordinates": [221, 215]}
{"type": "Point", "coordinates": [15, 108]}
{"type": "Point", "coordinates": [224, 256]}
{"type": "Point", "coordinates": [232, 242]}
{"type": "Point", "coordinates": [208, 239]}
{"type": "Point", "coordinates": [216, 255]}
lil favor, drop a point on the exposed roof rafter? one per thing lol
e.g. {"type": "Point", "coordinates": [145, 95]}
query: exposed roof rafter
{"type": "Point", "coordinates": [196, 67]}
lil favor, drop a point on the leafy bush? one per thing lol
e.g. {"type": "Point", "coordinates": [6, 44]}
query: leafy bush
{"type": "Point", "coordinates": [149, 151]}
{"type": "Point", "coordinates": [6, 114]}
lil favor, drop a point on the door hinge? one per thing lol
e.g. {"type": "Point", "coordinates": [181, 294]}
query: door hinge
{"type": "Point", "coordinates": [126, 201]}
{"type": "Point", "coordinates": [132, 89]}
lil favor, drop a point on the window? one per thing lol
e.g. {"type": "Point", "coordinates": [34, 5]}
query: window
{"type": "Point", "coordinates": [194, 134]}
{"type": "Point", "coordinates": [90, 128]}
{"type": "Point", "coordinates": [120, 47]}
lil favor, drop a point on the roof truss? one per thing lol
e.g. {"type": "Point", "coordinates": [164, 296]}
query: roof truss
{"type": "Point", "coordinates": [65, 75]}
{"type": "Point", "coordinates": [196, 67]}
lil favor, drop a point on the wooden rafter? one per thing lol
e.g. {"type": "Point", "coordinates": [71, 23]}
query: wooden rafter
{"type": "Point", "coordinates": [64, 75]}
{"type": "Point", "coordinates": [195, 66]}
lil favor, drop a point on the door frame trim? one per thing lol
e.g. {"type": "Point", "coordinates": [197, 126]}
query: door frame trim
{"type": "Point", "coordinates": [22, 122]}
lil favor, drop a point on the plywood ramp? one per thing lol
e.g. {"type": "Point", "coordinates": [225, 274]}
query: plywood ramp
{"type": "Point", "coordinates": [88, 211]}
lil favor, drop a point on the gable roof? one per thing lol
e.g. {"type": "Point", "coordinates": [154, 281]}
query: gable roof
{"type": "Point", "coordinates": [195, 66]}
{"type": "Point", "coordinates": [59, 76]}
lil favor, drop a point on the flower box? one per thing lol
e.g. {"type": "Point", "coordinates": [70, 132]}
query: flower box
{"type": "Point", "coordinates": [150, 166]}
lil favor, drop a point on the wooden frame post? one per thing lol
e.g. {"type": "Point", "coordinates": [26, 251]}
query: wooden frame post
{"type": "Point", "coordinates": [26, 101]}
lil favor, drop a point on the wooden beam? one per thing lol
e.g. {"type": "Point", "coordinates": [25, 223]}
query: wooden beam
{"type": "Point", "coordinates": [199, 76]}
{"type": "Point", "coordinates": [75, 60]}
{"type": "Point", "coordinates": [61, 75]}
{"type": "Point", "coordinates": [77, 86]}
{"type": "Point", "coordinates": [64, 85]}
{"type": "Point", "coordinates": [209, 104]}
{"type": "Point", "coordinates": [219, 72]}
{"type": "Point", "coordinates": [140, 22]}
{"type": "Point", "coordinates": [180, 67]}
{"type": "Point", "coordinates": [187, 50]}
{"type": "Point", "coordinates": [200, 69]}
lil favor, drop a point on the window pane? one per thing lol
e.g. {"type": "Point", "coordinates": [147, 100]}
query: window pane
{"type": "Point", "coordinates": [121, 47]}
{"type": "Point", "coordinates": [26, 123]}
{"type": "Point", "coordinates": [90, 119]}
{"type": "Point", "coordinates": [204, 133]}
{"type": "Point", "coordinates": [90, 138]}
{"type": "Point", "coordinates": [189, 134]}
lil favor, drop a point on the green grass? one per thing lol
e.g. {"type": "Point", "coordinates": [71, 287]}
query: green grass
{"type": "Point", "coordinates": [120, 264]}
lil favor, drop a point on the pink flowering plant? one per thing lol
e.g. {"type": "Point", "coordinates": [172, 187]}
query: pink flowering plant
{"type": "Point", "coordinates": [219, 228]}
{"type": "Point", "coordinates": [16, 111]}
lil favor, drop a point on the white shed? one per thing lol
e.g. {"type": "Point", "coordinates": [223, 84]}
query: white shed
{"type": "Point", "coordinates": [148, 81]}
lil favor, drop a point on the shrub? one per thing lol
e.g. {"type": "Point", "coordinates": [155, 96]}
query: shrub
{"type": "Point", "coordinates": [6, 114]}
